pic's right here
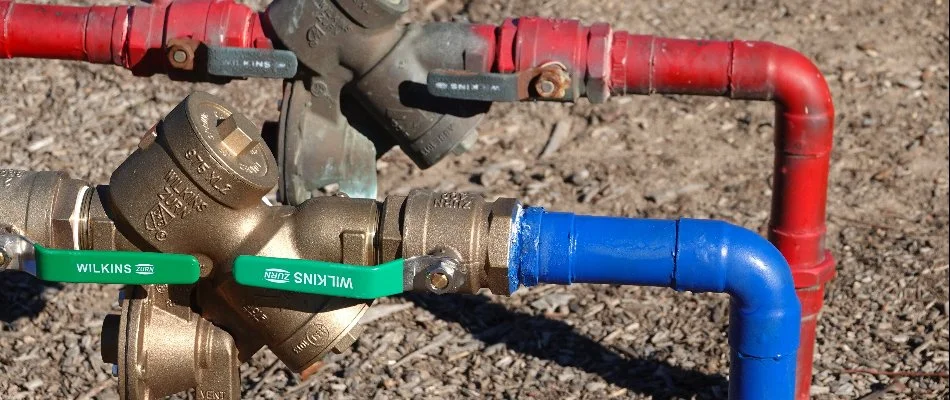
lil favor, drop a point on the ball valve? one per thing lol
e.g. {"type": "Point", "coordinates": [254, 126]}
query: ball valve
{"type": "Point", "coordinates": [217, 274]}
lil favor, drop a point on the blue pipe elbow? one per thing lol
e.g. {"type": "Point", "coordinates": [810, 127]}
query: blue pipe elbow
{"type": "Point", "coordinates": [686, 254]}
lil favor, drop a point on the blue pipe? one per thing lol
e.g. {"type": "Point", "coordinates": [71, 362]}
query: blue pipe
{"type": "Point", "coordinates": [686, 255]}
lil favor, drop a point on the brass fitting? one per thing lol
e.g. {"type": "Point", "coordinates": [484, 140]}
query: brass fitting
{"type": "Point", "coordinates": [194, 186]}
{"type": "Point", "coordinates": [161, 347]}
{"type": "Point", "coordinates": [462, 225]}
{"type": "Point", "coordinates": [48, 205]}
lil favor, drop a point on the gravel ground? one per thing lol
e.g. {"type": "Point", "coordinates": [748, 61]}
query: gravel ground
{"type": "Point", "coordinates": [887, 63]}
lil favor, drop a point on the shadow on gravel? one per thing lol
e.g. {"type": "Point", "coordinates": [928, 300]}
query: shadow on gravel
{"type": "Point", "coordinates": [557, 342]}
{"type": "Point", "coordinates": [21, 295]}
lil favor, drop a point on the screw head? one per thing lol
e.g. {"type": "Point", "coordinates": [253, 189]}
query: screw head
{"type": "Point", "coordinates": [179, 56]}
{"type": "Point", "coordinates": [444, 276]}
{"type": "Point", "coordinates": [552, 82]}
{"type": "Point", "coordinates": [546, 87]}
{"type": "Point", "coordinates": [438, 280]}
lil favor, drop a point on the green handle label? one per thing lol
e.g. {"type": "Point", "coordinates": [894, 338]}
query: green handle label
{"type": "Point", "coordinates": [320, 277]}
{"type": "Point", "coordinates": [119, 267]}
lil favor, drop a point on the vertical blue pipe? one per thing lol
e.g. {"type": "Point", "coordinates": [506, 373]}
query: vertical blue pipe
{"type": "Point", "coordinates": [686, 254]}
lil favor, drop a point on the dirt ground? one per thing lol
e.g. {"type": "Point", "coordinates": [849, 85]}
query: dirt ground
{"type": "Point", "coordinates": [663, 157]}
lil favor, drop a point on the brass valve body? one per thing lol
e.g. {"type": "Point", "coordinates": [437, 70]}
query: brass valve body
{"type": "Point", "coordinates": [194, 186]}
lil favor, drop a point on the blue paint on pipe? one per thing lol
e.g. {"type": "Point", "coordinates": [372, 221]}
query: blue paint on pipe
{"type": "Point", "coordinates": [686, 255]}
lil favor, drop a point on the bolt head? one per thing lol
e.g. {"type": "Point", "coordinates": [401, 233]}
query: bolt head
{"type": "Point", "coordinates": [552, 82]}
{"type": "Point", "coordinates": [546, 87]}
{"type": "Point", "coordinates": [439, 280]}
{"type": "Point", "coordinates": [180, 56]}
{"type": "Point", "coordinates": [442, 276]}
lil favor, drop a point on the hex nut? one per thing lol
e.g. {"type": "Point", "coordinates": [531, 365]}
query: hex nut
{"type": "Point", "coordinates": [101, 232]}
{"type": "Point", "coordinates": [500, 228]}
{"type": "Point", "coordinates": [66, 218]}
{"type": "Point", "coordinates": [438, 280]}
{"type": "Point", "coordinates": [181, 53]}
{"type": "Point", "coordinates": [348, 338]}
{"type": "Point", "coordinates": [552, 82]}
{"type": "Point", "coordinates": [443, 277]}
{"type": "Point", "coordinates": [598, 63]}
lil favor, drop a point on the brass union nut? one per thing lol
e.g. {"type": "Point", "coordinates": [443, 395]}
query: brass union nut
{"type": "Point", "coordinates": [500, 227]}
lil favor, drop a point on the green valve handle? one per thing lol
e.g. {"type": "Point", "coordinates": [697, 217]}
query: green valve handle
{"type": "Point", "coordinates": [119, 267]}
{"type": "Point", "coordinates": [320, 277]}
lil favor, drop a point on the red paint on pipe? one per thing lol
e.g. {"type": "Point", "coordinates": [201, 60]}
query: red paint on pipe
{"type": "Point", "coordinates": [29, 31]}
{"type": "Point", "coordinates": [804, 125]}
{"type": "Point", "coordinates": [486, 61]}
{"type": "Point", "coordinates": [540, 41]}
{"type": "Point", "coordinates": [133, 37]}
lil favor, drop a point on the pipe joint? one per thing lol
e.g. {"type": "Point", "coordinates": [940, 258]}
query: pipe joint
{"type": "Point", "coordinates": [686, 255]}
{"type": "Point", "coordinates": [714, 256]}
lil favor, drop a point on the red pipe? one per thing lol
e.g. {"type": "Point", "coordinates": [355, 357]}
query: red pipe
{"type": "Point", "coordinates": [804, 121]}
{"type": "Point", "coordinates": [804, 126]}
{"type": "Point", "coordinates": [134, 37]}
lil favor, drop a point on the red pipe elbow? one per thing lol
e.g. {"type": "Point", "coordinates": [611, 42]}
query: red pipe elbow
{"type": "Point", "coordinates": [804, 117]}
{"type": "Point", "coordinates": [804, 121]}
{"type": "Point", "coordinates": [804, 129]}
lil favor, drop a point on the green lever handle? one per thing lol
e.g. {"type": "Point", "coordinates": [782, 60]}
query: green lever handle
{"type": "Point", "coordinates": [320, 277]}
{"type": "Point", "coordinates": [120, 267]}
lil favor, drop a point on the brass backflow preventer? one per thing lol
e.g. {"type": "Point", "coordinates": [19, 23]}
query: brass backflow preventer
{"type": "Point", "coordinates": [194, 187]}
{"type": "Point", "coordinates": [215, 273]}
